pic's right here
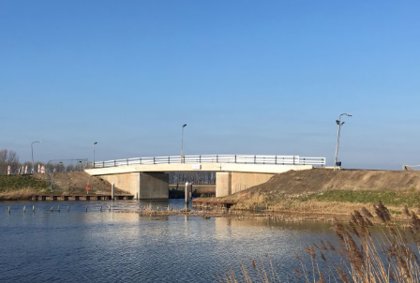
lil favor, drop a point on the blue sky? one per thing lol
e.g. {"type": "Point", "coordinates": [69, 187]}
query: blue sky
{"type": "Point", "coordinates": [265, 77]}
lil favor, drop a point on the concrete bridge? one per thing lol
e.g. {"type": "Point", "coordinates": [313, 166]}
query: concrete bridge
{"type": "Point", "coordinates": [147, 177]}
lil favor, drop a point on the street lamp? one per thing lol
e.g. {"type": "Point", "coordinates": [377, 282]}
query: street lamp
{"type": "Point", "coordinates": [94, 153]}
{"type": "Point", "coordinates": [32, 151]}
{"type": "Point", "coordinates": [339, 124]}
{"type": "Point", "coordinates": [182, 144]}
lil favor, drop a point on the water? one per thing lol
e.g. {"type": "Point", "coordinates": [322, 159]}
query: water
{"type": "Point", "coordinates": [121, 246]}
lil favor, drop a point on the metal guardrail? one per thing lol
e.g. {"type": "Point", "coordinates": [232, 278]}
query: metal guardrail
{"type": "Point", "coordinates": [218, 158]}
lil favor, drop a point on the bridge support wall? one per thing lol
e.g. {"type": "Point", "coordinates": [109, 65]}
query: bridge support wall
{"type": "Point", "coordinates": [154, 186]}
{"type": "Point", "coordinates": [228, 183]}
{"type": "Point", "coordinates": [128, 182]}
{"type": "Point", "coordinates": [141, 185]}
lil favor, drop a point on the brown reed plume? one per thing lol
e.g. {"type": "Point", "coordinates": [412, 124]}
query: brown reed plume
{"type": "Point", "coordinates": [364, 252]}
{"type": "Point", "coordinates": [373, 253]}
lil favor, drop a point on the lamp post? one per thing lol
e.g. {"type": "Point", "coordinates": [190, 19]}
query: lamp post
{"type": "Point", "coordinates": [182, 144]}
{"type": "Point", "coordinates": [339, 125]}
{"type": "Point", "coordinates": [94, 153]}
{"type": "Point", "coordinates": [32, 151]}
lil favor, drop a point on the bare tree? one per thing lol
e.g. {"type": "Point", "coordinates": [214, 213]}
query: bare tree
{"type": "Point", "coordinates": [8, 158]}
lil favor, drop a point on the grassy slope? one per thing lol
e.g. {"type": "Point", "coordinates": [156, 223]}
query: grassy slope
{"type": "Point", "coordinates": [20, 187]}
{"type": "Point", "coordinates": [12, 183]}
{"type": "Point", "coordinates": [322, 191]}
{"type": "Point", "coordinates": [24, 186]}
{"type": "Point", "coordinates": [411, 199]}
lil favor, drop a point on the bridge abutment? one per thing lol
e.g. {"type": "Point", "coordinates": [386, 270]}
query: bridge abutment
{"type": "Point", "coordinates": [141, 185]}
{"type": "Point", "coordinates": [228, 183]}
{"type": "Point", "coordinates": [154, 186]}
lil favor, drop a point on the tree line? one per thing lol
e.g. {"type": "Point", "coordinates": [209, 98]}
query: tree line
{"type": "Point", "coordinates": [203, 178]}
{"type": "Point", "coordinates": [10, 165]}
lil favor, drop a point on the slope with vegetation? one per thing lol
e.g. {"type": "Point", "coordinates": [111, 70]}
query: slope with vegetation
{"type": "Point", "coordinates": [22, 187]}
{"type": "Point", "coordinates": [338, 192]}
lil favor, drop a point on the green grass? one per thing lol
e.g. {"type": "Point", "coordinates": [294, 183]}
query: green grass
{"type": "Point", "coordinates": [411, 199]}
{"type": "Point", "coordinates": [12, 183]}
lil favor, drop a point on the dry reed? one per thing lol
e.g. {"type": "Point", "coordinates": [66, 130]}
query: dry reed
{"type": "Point", "coordinates": [364, 253]}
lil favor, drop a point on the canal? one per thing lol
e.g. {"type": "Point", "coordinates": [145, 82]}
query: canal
{"type": "Point", "coordinates": [93, 242]}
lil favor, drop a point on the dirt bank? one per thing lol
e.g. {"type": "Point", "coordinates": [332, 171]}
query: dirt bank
{"type": "Point", "coordinates": [23, 187]}
{"type": "Point", "coordinates": [316, 180]}
{"type": "Point", "coordinates": [328, 192]}
{"type": "Point", "coordinates": [77, 182]}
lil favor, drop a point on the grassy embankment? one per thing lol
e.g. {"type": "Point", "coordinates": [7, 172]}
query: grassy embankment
{"type": "Point", "coordinates": [21, 187]}
{"type": "Point", "coordinates": [327, 192]}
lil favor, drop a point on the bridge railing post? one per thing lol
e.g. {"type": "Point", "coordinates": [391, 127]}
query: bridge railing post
{"type": "Point", "coordinates": [255, 159]}
{"type": "Point", "coordinates": [154, 160]}
{"type": "Point", "coordinates": [199, 158]}
{"type": "Point", "coordinates": [275, 159]}
{"type": "Point", "coordinates": [235, 159]}
{"type": "Point", "coordinates": [169, 160]}
{"type": "Point", "coordinates": [217, 158]}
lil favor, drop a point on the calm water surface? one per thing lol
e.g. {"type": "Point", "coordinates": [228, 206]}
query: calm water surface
{"type": "Point", "coordinates": [118, 245]}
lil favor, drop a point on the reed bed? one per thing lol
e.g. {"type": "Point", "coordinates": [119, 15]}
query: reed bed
{"type": "Point", "coordinates": [369, 249]}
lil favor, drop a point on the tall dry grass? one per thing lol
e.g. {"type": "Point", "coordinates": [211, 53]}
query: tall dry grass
{"type": "Point", "coordinates": [18, 194]}
{"type": "Point", "coordinates": [367, 253]}
{"type": "Point", "coordinates": [364, 253]}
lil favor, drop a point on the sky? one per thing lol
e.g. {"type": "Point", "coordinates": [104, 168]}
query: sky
{"type": "Point", "coordinates": [248, 77]}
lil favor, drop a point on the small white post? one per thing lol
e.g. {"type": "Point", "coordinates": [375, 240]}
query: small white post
{"type": "Point", "coordinates": [190, 192]}
{"type": "Point", "coordinates": [112, 191]}
{"type": "Point", "coordinates": [186, 192]}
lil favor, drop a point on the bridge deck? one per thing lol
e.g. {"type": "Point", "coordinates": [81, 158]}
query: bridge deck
{"type": "Point", "coordinates": [210, 163]}
{"type": "Point", "coordinates": [216, 158]}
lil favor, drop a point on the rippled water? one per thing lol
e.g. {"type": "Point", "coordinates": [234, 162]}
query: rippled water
{"type": "Point", "coordinates": [114, 246]}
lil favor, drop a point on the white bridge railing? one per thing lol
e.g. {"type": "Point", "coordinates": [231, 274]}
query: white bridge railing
{"type": "Point", "coordinates": [218, 158]}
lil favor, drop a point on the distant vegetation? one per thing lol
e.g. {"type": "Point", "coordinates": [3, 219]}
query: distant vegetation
{"type": "Point", "coordinates": [10, 164]}
{"type": "Point", "coordinates": [204, 178]}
